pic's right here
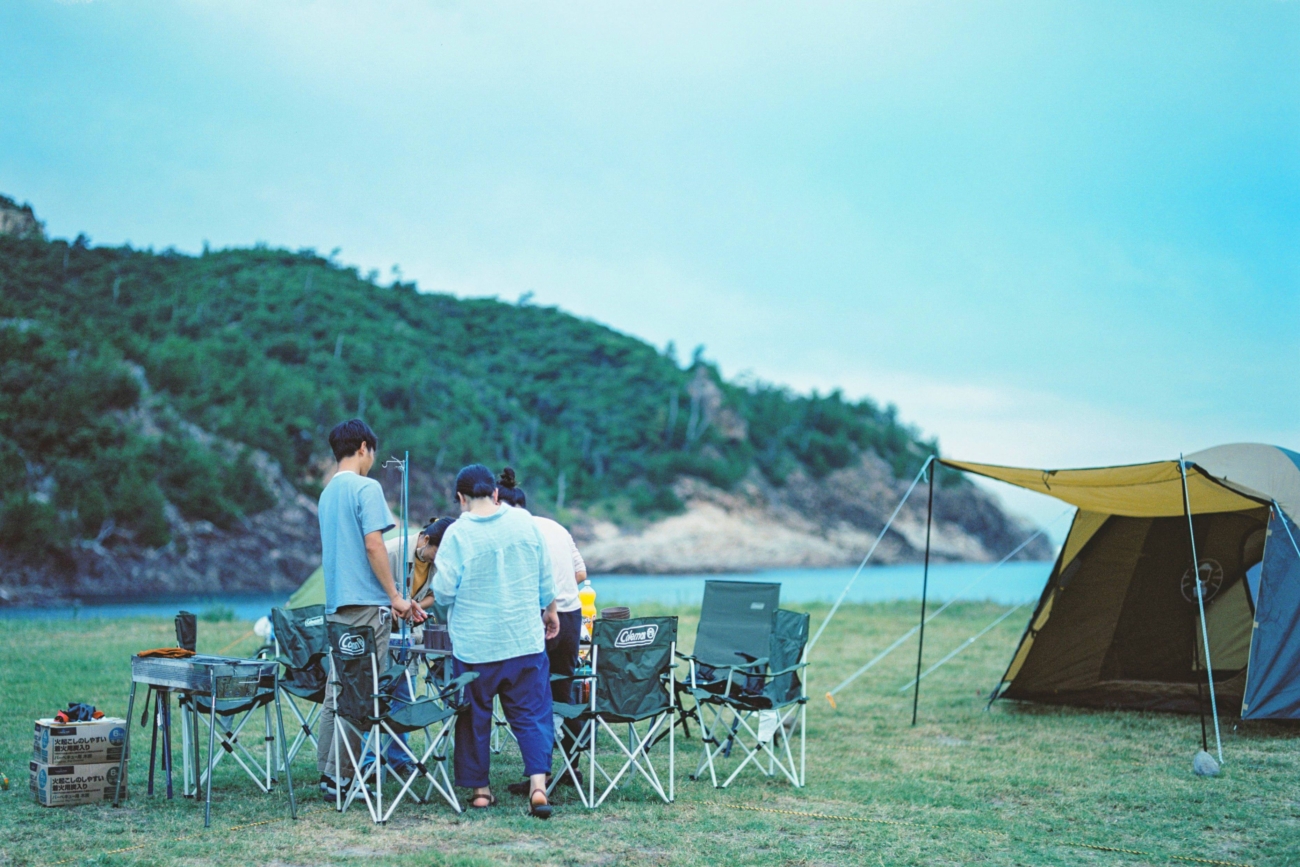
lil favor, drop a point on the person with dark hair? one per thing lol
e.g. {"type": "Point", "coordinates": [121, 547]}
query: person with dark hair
{"type": "Point", "coordinates": [567, 571]}
{"type": "Point", "coordinates": [359, 586]}
{"type": "Point", "coordinates": [418, 567]}
{"type": "Point", "coordinates": [493, 572]}
{"type": "Point", "coordinates": [426, 549]}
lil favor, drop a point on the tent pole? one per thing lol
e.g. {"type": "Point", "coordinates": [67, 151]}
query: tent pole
{"type": "Point", "coordinates": [925, 586]}
{"type": "Point", "coordinates": [1200, 603]}
{"type": "Point", "coordinates": [1200, 706]}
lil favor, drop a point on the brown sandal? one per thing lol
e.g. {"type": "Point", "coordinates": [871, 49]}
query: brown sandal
{"type": "Point", "coordinates": [542, 810]}
{"type": "Point", "coordinates": [489, 799]}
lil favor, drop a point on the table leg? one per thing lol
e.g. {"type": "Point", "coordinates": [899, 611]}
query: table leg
{"type": "Point", "coordinates": [194, 740]}
{"type": "Point", "coordinates": [153, 732]}
{"type": "Point", "coordinates": [212, 743]}
{"type": "Point", "coordinates": [126, 748]}
{"type": "Point", "coordinates": [288, 774]}
{"type": "Point", "coordinates": [167, 739]}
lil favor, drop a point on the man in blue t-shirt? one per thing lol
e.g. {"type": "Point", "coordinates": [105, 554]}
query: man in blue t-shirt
{"type": "Point", "coordinates": [359, 585]}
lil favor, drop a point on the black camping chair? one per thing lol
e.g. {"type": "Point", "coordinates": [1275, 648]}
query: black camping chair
{"type": "Point", "coordinates": [759, 705]}
{"type": "Point", "coordinates": [365, 708]}
{"type": "Point", "coordinates": [735, 628]}
{"type": "Point", "coordinates": [631, 684]}
{"type": "Point", "coordinates": [301, 643]}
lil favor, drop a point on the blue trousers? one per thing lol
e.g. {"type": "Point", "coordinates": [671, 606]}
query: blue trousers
{"type": "Point", "coordinates": [524, 684]}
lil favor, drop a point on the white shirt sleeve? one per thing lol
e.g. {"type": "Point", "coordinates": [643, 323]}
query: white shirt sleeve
{"type": "Point", "coordinates": [579, 565]}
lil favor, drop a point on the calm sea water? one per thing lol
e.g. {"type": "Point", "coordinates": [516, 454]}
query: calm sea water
{"type": "Point", "coordinates": [1009, 584]}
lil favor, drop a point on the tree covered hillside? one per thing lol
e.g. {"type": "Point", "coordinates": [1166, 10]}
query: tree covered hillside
{"type": "Point", "coordinates": [117, 364]}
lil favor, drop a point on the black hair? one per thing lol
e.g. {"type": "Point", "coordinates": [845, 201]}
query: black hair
{"type": "Point", "coordinates": [508, 489]}
{"type": "Point", "coordinates": [347, 437]}
{"type": "Point", "coordinates": [475, 481]}
{"type": "Point", "coordinates": [436, 529]}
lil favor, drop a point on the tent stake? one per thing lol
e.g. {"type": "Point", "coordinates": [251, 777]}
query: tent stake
{"type": "Point", "coordinates": [1200, 603]}
{"type": "Point", "coordinates": [925, 586]}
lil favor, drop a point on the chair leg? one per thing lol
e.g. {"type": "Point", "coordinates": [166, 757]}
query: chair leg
{"type": "Point", "coordinates": [288, 771]}
{"type": "Point", "coordinates": [167, 739]}
{"type": "Point", "coordinates": [803, 744]}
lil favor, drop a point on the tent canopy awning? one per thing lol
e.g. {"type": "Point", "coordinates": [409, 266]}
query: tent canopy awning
{"type": "Point", "coordinates": [1153, 490]}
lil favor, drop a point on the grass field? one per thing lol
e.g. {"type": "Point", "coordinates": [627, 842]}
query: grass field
{"type": "Point", "coordinates": [1017, 785]}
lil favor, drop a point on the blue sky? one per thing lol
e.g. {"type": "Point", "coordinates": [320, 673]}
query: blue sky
{"type": "Point", "coordinates": [1056, 234]}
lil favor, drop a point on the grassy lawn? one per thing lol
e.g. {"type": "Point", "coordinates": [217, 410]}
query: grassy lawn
{"type": "Point", "coordinates": [1017, 785]}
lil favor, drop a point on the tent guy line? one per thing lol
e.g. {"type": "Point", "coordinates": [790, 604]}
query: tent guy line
{"type": "Point", "coordinates": [956, 597]}
{"type": "Point", "coordinates": [965, 644]}
{"type": "Point", "coordinates": [862, 565]}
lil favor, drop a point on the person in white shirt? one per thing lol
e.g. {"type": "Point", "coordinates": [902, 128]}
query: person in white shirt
{"type": "Point", "coordinates": [568, 571]}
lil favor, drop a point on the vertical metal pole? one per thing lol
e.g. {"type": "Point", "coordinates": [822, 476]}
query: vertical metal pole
{"type": "Point", "coordinates": [925, 587]}
{"type": "Point", "coordinates": [1200, 603]}
{"type": "Point", "coordinates": [153, 733]}
{"type": "Point", "coordinates": [212, 745]}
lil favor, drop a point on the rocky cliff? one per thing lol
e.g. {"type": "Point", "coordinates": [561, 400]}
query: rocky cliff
{"type": "Point", "coordinates": [808, 523]}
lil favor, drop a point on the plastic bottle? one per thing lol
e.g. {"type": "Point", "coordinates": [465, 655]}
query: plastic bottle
{"type": "Point", "coordinates": [587, 596]}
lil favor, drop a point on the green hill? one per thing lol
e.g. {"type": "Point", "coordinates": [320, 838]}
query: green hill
{"type": "Point", "coordinates": [269, 348]}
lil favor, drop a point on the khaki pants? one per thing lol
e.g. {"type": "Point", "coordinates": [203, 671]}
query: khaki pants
{"type": "Point", "coordinates": [378, 619]}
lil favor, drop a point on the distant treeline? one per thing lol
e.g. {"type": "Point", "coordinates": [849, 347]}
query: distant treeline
{"type": "Point", "coordinates": [269, 348]}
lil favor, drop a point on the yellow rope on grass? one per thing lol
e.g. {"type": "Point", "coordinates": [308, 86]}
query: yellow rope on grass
{"type": "Point", "coordinates": [1188, 858]}
{"type": "Point", "coordinates": [184, 837]}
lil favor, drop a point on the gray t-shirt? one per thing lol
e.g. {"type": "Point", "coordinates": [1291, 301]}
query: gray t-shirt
{"type": "Point", "coordinates": [351, 507]}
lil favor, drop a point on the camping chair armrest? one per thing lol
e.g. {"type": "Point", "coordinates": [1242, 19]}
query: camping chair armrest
{"type": "Point", "coordinates": [742, 667]}
{"type": "Point", "coordinates": [746, 668]}
{"type": "Point", "coordinates": [770, 674]}
{"type": "Point", "coordinates": [457, 684]}
{"type": "Point", "coordinates": [555, 677]}
{"type": "Point", "coordinates": [462, 680]}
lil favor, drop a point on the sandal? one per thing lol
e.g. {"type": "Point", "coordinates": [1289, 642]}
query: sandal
{"type": "Point", "coordinates": [488, 799]}
{"type": "Point", "coordinates": [542, 810]}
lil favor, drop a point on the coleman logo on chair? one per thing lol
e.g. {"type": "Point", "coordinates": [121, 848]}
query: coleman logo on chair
{"type": "Point", "coordinates": [313, 621]}
{"type": "Point", "coordinates": [636, 636]}
{"type": "Point", "coordinates": [351, 644]}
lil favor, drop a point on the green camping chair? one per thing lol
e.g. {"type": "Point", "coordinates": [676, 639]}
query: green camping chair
{"type": "Point", "coordinates": [630, 685]}
{"type": "Point", "coordinates": [758, 706]}
{"type": "Point", "coordinates": [232, 716]}
{"type": "Point", "coordinates": [301, 643]}
{"type": "Point", "coordinates": [366, 708]}
{"type": "Point", "coordinates": [735, 627]}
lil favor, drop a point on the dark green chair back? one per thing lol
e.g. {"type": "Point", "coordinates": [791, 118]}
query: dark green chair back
{"type": "Point", "coordinates": [735, 618]}
{"type": "Point", "coordinates": [789, 637]}
{"type": "Point", "coordinates": [633, 661]}
{"type": "Point", "coordinates": [301, 634]}
{"type": "Point", "coordinates": [353, 648]}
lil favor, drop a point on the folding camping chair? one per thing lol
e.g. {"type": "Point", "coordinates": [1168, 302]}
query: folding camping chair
{"type": "Point", "coordinates": [735, 627]}
{"type": "Point", "coordinates": [758, 706]}
{"type": "Point", "coordinates": [232, 716]}
{"type": "Point", "coordinates": [631, 685]}
{"type": "Point", "coordinates": [365, 708]}
{"type": "Point", "coordinates": [301, 643]}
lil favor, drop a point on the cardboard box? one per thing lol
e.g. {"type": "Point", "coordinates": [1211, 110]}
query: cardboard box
{"type": "Point", "coordinates": [83, 743]}
{"type": "Point", "coordinates": [66, 785]}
